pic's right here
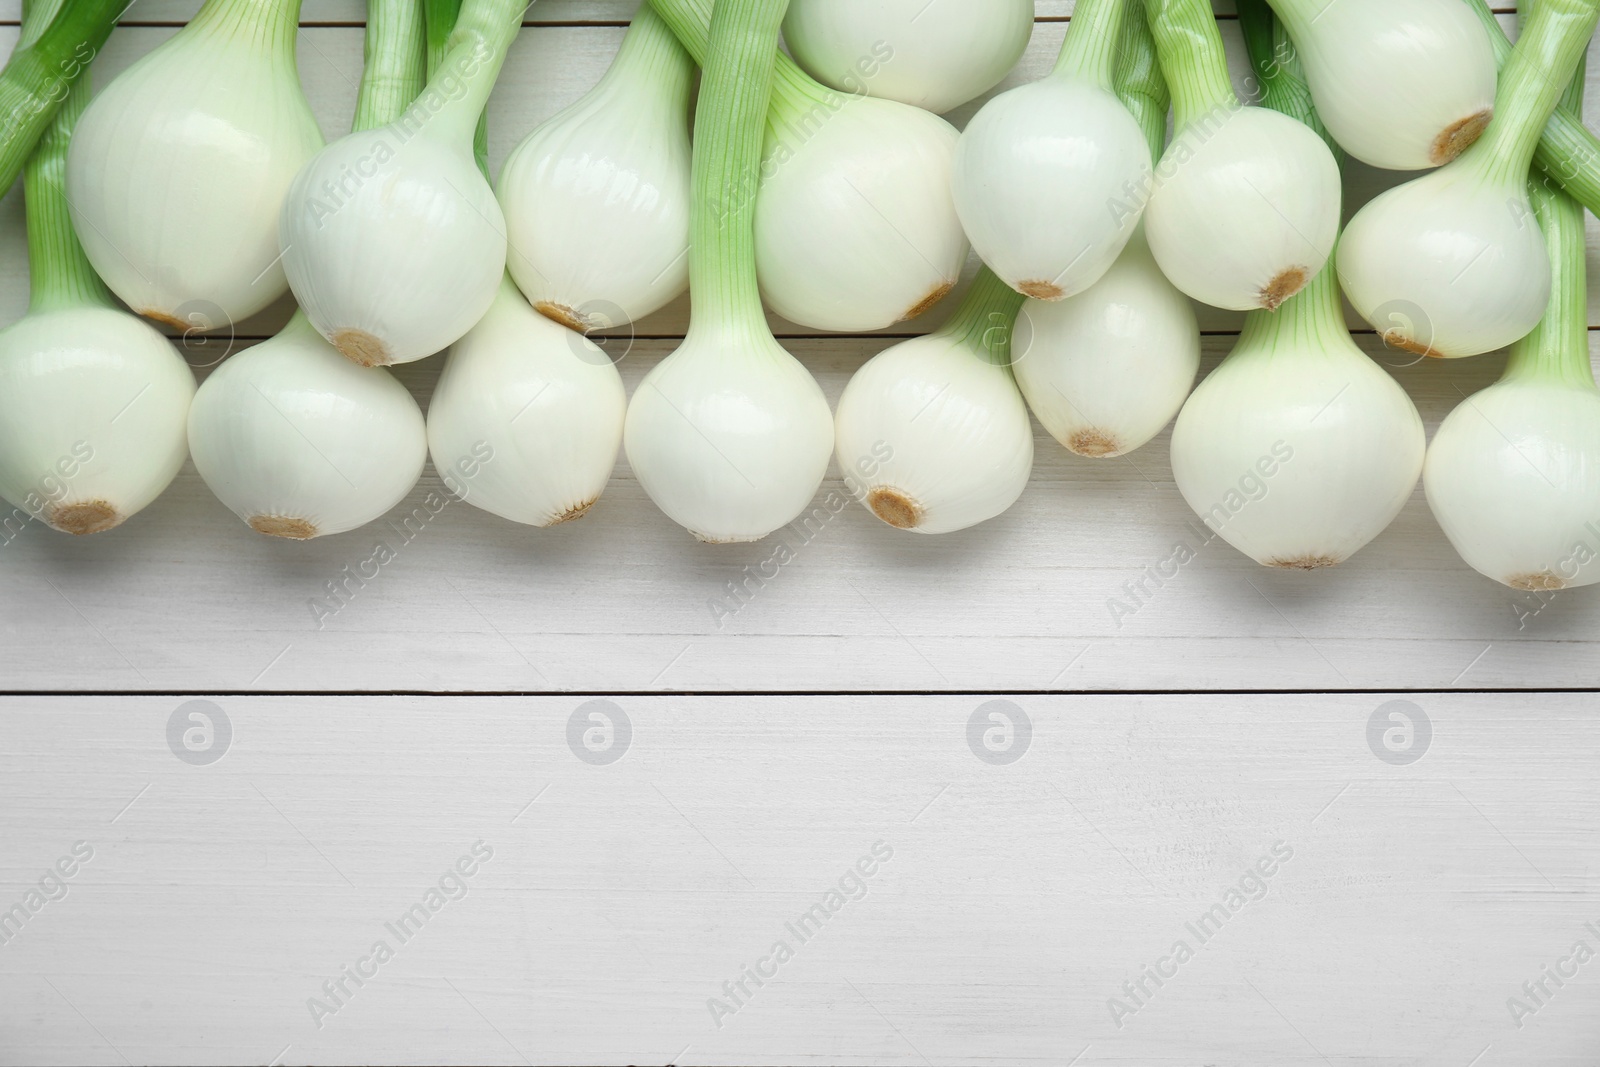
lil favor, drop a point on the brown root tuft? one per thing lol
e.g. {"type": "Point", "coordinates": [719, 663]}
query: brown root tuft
{"type": "Point", "coordinates": [1533, 582]}
{"type": "Point", "coordinates": [361, 347]}
{"type": "Point", "coordinates": [577, 511]}
{"type": "Point", "coordinates": [1459, 136]}
{"type": "Point", "coordinates": [84, 517]}
{"type": "Point", "coordinates": [562, 314]}
{"type": "Point", "coordinates": [938, 293]}
{"type": "Point", "coordinates": [1283, 287]}
{"type": "Point", "coordinates": [1395, 339]}
{"type": "Point", "coordinates": [283, 526]}
{"type": "Point", "coordinates": [895, 508]}
{"type": "Point", "coordinates": [1041, 290]}
{"type": "Point", "coordinates": [1305, 563]}
{"type": "Point", "coordinates": [1095, 444]}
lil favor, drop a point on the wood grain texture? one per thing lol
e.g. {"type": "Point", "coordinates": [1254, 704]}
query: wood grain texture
{"type": "Point", "coordinates": [1416, 900]}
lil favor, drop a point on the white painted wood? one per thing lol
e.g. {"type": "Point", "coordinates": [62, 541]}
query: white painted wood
{"type": "Point", "coordinates": [185, 597]}
{"type": "Point", "coordinates": [618, 899]}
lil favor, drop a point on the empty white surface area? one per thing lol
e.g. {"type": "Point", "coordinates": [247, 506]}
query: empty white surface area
{"type": "Point", "coordinates": [1382, 874]}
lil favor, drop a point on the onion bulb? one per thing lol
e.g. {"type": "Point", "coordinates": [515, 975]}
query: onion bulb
{"type": "Point", "coordinates": [1245, 208]}
{"type": "Point", "coordinates": [1046, 175]}
{"type": "Point", "coordinates": [596, 200]}
{"type": "Point", "coordinates": [855, 229]}
{"type": "Point", "coordinates": [300, 442]}
{"type": "Point", "coordinates": [1513, 473]}
{"type": "Point", "coordinates": [730, 435]}
{"type": "Point", "coordinates": [543, 400]}
{"type": "Point", "coordinates": [392, 238]}
{"type": "Point", "coordinates": [935, 425]}
{"type": "Point", "coordinates": [180, 165]}
{"type": "Point", "coordinates": [901, 50]}
{"type": "Point", "coordinates": [92, 400]}
{"type": "Point", "coordinates": [1403, 85]}
{"type": "Point", "coordinates": [1452, 263]}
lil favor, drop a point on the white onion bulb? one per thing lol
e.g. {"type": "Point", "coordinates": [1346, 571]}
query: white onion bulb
{"type": "Point", "coordinates": [855, 228]}
{"type": "Point", "coordinates": [729, 435]}
{"type": "Point", "coordinates": [1245, 209]}
{"type": "Point", "coordinates": [1513, 476]}
{"type": "Point", "coordinates": [1045, 183]}
{"type": "Point", "coordinates": [596, 200]}
{"type": "Point", "coordinates": [1404, 85]}
{"type": "Point", "coordinates": [545, 402]}
{"type": "Point", "coordinates": [1105, 370]}
{"type": "Point", "coordinates": [932, 433]}
{"type": "Point", "coordinates": [1298, 449]}
{"type": "Point", "coordinates": [300, 442]}
{"type": "Point", "coordinates": [1449, 264]}
{"type": "Point", "coordinates": [936, 58]}
{"type": "Point", "coordinates": [179, 166]}
{"type": "Point", "coordinates": [92, 410]}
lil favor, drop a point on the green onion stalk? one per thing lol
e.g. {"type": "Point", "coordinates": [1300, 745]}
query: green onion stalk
{"type": "Point", "coordinates": [51, 55]}
{"type": "Point", "coordinates": [1567, 151]}
{"type": "Point", "coordinates": [729, 435]}
{"type": "Point", "coordinates": [1298, 449]}
{"type": "Point", "coordinates": [1513, 473]}
{"type": "Point", "coordinates": [249, 434]}
{"type": "Point", "coordinates": [93, 401]}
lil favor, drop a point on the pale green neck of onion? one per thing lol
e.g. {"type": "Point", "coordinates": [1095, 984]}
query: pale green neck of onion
{"type": "Point", "coordinates": [985, 318]}
{"type": "Point", "coordinates": [651, 54]}
{"type": "Point", "coordinates": [1190, 48]}
{"type": "Point", "coordinates": [1139, 83]}
{"type": "Point", "coordinates": [1310, 320]}
{"type": "Point", "coordinates": [1558, 348]}
{"type": "Point", "coordinates": [796, 96]}
{"type": "Point", "coordinates": [1277, 66]}
{"type": "Point", "coordinates": [269, 25]}
{"type": "Point", "coordinates": [395, 62]}
{"type": "Point", "coordinates": [729, 129]}
{"type": "Point", "coordinates": [451, 104]}
{"type": "Point", "coordinates": [59, 274]}
{"type": "Point", "coordinates": [1089, 52]}
{"type": "Point", "coordinates": [1554, 38]}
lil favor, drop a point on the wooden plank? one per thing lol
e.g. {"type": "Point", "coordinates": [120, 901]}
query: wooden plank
{"type": "Point", "coordinates": [184, 596]}
{"type": "Point", "coordinates": [1406, 905]}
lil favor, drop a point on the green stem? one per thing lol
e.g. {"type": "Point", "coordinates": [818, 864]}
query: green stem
{"type": "Point", "coordinates": [1567, 151]}
{"type": "Point", "coordinates": [462, 70]}
{"type": "Point", "coordinates": [1140, 85]}
{"type": "Point", "coordinates": [729, 129]}
{"type": "Point", "coordinates": [52, 53]}
{"type": "Point", "coordinates": [1276, 63]}
{"type": "Point", "coordinates": [395, 62]}
{"type": "Point", "coordinates": [984, 319]}
{"type": "Point", "coordinates": [439, 17]}
{"type": "Point", "coordinates": [1190, 48]}
{"type": "Point", "coordinates": [1547, 51]}
{"type": "Point", "coordinates": [799, 102]}
{"type": "Point", "coordinates": [1558, 348]}
{"type": "Point", "coordinates": [1089, 52]}
{"type": "Point", "coordinates": [59, 274]}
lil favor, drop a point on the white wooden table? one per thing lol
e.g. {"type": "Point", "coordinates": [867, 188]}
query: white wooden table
{"type": "Point", "coordinates": [664, 787]}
